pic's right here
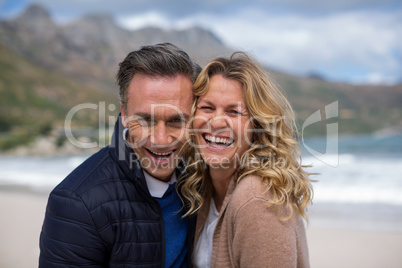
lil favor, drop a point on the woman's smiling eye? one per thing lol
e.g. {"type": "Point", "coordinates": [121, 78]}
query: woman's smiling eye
{"type": "Point", "coordinates": [206, 108]}
{"type": "Point", "coordinates": [235, 112]}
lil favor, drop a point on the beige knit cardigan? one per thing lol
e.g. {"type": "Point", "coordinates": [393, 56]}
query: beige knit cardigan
{"type": "Point", "coordinates": [250, 234]}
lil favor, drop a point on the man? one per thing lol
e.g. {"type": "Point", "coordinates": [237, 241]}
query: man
{"type": "Point", "coordinates": [120, 207]}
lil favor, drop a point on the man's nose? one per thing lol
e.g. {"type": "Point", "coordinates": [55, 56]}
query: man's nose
{"type": "Point", "coordinates": [160, 135]}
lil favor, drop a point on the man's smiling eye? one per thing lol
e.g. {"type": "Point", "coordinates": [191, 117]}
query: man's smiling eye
{"type": "Point", "coordinates": [178, 121]}
{"type": "Point", "coordinates": [146, 121]}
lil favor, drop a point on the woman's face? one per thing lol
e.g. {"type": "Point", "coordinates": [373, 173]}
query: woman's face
{"type": "Point", "coordinates": [222, 123]}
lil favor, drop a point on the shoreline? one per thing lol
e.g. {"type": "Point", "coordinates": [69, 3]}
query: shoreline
{"type": "Point", "coordinates": [376, 217]}
{"type": "Point", "coordinates": [47, 145]}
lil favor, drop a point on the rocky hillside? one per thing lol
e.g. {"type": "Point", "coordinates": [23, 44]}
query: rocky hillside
{"type": "Point", "coordinates": [34, 100]}
{"type": "Point", "coordinates": [48, 68]}
{"type": "Point", "coordinates": [361, 108]}
{"type": "Point", "coordinates": [90, 48]}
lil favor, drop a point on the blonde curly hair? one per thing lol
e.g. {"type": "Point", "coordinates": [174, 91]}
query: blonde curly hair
{"type": "Point", "coordinates": [274, 154]}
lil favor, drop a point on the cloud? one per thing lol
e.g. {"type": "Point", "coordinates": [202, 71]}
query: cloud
{"type": "Point", "coordinates": [349, 46]}
{"type": "Point", "coordinates": [342, 40]}
{"type": "Point", "coordinates": [147, 19]}
{"type": "Point", "coordinates": [183, 8]}
{"type": "Point", "coordinates": [374, 78]}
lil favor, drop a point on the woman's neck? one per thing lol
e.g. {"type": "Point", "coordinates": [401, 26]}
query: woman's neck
{"type": "Point", "coordinates": [220, 180]}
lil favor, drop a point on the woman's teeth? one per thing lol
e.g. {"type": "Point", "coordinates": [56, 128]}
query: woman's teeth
{"type": "Point", "coordinates": [224, 141]}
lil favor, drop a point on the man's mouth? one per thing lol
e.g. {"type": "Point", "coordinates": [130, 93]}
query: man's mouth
{"type": "Point", "coordinates": [161, 155]}
{"type": "Point", "coordinates": [218, 142]}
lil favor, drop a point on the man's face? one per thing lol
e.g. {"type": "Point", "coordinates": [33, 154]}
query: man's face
{"type": "Point", "coordinates": [158, 109]}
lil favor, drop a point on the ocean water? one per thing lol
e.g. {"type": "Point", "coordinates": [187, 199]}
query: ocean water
{"type": "Point", "coordinates": [39, 174]}
{"type": "Point", "coordinates": [361, 183]}
{"type": "Point", "coordinates": [360, 187]}
{"type": "Point", "coordinates": [367, 169]}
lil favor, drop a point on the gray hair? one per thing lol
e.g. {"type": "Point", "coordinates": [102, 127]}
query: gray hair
{"type": "Point", "coordinates": [166, 60]}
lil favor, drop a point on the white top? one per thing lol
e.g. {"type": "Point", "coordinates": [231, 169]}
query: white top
{"type": "Point", "coordinates": [156, 187]}
{"type": "Point", "coordinates": [203, 249]}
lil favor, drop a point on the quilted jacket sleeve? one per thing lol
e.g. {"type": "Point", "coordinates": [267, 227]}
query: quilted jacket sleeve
{"type": "Point", "coordinates": [69, 237]}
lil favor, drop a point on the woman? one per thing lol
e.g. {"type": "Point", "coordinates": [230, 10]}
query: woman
{"type": "Point", "coordinates": [246, 183]}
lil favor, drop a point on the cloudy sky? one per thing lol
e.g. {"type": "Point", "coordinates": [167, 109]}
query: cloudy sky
{"type": "Point", "coordinates": [356, 41]}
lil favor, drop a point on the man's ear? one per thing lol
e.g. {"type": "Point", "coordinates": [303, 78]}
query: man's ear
{"type": "Point", "coordinates": [123, 116]}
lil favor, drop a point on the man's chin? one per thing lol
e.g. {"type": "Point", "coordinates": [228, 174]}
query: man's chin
{"type": "Point", "coordinates": [159, 168]}
{"type": "Point", "coordinates": [161, 174]}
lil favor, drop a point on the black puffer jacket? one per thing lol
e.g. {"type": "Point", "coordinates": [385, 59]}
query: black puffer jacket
{"type": "Point", "coordinates": [102, 215]}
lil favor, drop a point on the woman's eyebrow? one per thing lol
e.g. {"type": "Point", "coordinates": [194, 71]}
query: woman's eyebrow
{"type": "Point", "coordinates": [233, 105]}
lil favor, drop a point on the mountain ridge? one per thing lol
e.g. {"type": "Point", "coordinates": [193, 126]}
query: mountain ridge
{"type": "Point", "coordinates": [85, 48]}
{"type": "Point", "coordinates": [86, 52]}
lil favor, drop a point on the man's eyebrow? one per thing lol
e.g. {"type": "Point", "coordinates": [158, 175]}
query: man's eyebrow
{"type": "Point", "coordinates": [179, 116]}
{"type": "Point", "coordinates": [138, 116]}
{"type": "Point", "coordinates": [148, 115]}
{"type": "Point", "coordinates": [142, 115]}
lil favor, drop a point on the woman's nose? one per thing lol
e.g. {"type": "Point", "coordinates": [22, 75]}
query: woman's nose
{"type": "Point", "coordinates": [218, 121]}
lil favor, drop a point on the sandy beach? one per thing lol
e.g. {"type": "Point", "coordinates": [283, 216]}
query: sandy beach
{"type": "Point", "coordinates": [20, 224]}
{"type": "Point", "coordinates": [22, 216]}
